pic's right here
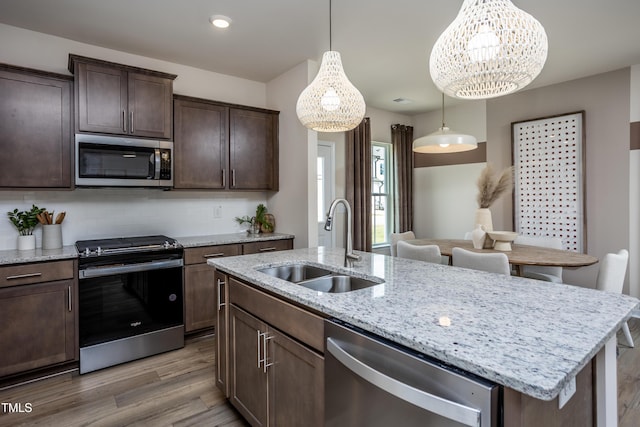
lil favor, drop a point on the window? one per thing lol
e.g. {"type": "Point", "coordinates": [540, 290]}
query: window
{"type": "Point", "coordinates": [381, 193]}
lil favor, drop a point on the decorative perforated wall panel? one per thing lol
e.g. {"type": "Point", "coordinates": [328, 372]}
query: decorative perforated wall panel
{"type": "Point", "coordinates": [548, 159]}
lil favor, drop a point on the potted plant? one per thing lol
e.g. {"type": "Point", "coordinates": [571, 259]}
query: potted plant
{"type": "Point", "coordinates": [266, 220]}
{"type": "Point", "coordinates": [25, 222]}
{"type": "Point", "coordinates": [262, 221]}
{"type": "Point", "coordinates": [490, 187]}
{"type": "Point", "coordinates": [254, 227]}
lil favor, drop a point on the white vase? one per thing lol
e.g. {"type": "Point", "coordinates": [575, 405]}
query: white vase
{"type": "Point", "coordinates": [26, 243]}
{"type": "Point", "coordinates": [483, 217]}
{"type": "Point", "coordinates": [478, 236]}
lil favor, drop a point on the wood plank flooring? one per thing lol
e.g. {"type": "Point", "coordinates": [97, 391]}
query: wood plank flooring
{"type": "Point", "coordinates": [178, 389]}
{"type": "Point", "coordinates": [170, 389]}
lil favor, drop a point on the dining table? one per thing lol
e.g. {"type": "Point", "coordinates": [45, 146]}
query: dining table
{"type": "Point", "coordinates": [519, 255]}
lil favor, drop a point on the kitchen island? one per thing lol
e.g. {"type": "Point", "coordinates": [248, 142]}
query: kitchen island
{"type": "Point", "coordinates": [529, 336]}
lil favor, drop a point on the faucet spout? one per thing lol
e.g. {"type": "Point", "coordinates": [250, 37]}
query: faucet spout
{"type": "Point", "coordinates": [349, 256]}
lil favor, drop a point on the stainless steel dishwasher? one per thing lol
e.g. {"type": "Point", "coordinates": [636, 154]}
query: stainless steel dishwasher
{"type": "Point", "coordinates": [372, 382]}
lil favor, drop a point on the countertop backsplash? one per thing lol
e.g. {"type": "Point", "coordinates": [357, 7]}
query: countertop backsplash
{"type": "Point", "coordinates": [104, 212]}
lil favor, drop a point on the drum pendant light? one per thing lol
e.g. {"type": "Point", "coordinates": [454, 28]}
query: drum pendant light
{"type": "Point", "coordinates": [331, 103]}
{"type": "Point", "coordinates": [444, 140]}
{"type": "Point", "coordinates": [491, 49]}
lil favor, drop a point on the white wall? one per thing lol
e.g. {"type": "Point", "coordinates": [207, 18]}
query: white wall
{"type": "Point", "coordinates": [120, 212]}
{"type": "Point", "coordinates": [605, 99]}
{"type": "Point", "coordinates": [444, 197]}
{"type": "Point", "coordinates": [295, 205]}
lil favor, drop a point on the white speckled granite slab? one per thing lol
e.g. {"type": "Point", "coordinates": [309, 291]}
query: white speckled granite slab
{"type": "Point", "coordinates": [529, 335]}
{"type": "Point", "coordinates": [228, 239]}
{"type": "Point", "coordinates": [14, 256]}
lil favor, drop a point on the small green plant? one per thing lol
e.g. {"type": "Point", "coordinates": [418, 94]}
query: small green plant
{"type": "Point", "coordinates": [245, 219]}
{"type": "Point", "coordinates": [25, 221]}
{"type": "Point", "coordinates": [260, 218]}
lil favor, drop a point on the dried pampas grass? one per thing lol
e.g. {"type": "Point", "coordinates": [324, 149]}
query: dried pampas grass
{"type": "Point", "coordinates": [491, 187]}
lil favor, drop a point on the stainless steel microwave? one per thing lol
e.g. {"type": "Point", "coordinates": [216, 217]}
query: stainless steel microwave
{"type": "Point", "coordinates": [113, 161]}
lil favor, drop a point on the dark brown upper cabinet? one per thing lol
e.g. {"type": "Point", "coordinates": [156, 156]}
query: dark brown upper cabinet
{"type": "Point", "coordinates": [224, 146]}
{"type": "Point", "coordinates": [253, 149]}
{"type": "Point", "coordinates": [119, 99]}
{"type": "Point", "coordinates": [36, 129]}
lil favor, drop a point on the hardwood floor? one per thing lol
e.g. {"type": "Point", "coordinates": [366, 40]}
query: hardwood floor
{"type": "Point", "coordinates": [178, 389]}
{"type": "Point", "coordinates": [170, 389]}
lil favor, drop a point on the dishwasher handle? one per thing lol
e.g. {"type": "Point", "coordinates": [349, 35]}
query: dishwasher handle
{"type": "Point", "coordinates": [451, 410]}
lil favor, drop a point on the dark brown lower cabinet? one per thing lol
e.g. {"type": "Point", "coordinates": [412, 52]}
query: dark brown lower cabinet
{"type": "Point", "coordinates": [200, 285]}
{"type": "Point", "coordinates": [199, 297]}
{"type": "Point", "coordinates": [38, 326]}
{"type": "Point", "coordinates": [274, 380]}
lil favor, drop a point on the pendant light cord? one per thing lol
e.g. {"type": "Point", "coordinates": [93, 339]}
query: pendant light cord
{"type": "Point", "coordinates": [330, 24]}
{"type": "Point", "coordinates": [443, 125]}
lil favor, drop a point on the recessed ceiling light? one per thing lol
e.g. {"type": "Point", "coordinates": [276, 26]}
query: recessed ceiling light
{"type": "Point", "coordinates": [220, 21]}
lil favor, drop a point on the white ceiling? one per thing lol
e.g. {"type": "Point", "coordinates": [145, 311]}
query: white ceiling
{"type": "Point", "coordinates": [385, 46]}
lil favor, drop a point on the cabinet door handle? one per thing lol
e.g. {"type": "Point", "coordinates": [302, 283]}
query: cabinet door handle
{"type": "Point", "coordinates": [219, 254]}
{"type": "Point", "coordinates": [265, 349]}
{"type": "Point", "coordinates": [124, 121]}
{"type": "Point", "coordinates": [269, 249]}
{"type": "Point", "coordinates": [131, 122]}
{"type": "Point", "coordinates": [258, 344]}
{"type": "Point", "coordinates": [220, 303]}
{"type": "Point", "coordinates": [224, 178]}
{"type": "Point", "coordinates": [23, 276]}
{"type": "Point", "coordinates": [233, 177]}
{"type": "Point", "coordinates": [69, 306]}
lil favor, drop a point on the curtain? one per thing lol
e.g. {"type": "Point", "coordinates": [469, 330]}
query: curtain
{"type": "Point", "coordinates": [358, 182]}
{"type": "Point", "coordinates": [402, 140]}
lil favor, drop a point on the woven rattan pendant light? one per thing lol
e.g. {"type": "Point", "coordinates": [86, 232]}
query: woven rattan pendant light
{"type": "Point", "coordinates": [491, 49]}
{"type": "Point", "coordinates": [444, 140]}
{"type": "Point", "coordinates": [331, 103]}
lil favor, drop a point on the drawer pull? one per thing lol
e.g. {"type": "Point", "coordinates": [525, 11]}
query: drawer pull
{"type": "Point", "coordinates": [69, 299]}
{"type": "Point", "coordinates": [270, 248]}
{"type": "Point", "coordinates": [213, 255]}
{"type": "Point", "coordinates": [23, 276]}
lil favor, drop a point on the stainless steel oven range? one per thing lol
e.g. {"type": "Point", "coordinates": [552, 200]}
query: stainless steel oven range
{"type": "Point", "coordinates": [130, 299]}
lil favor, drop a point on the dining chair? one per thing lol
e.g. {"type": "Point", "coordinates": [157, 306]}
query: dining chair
{"type": "Point", "coordinates": [428, 253]}
{"type": "Point", "coordinates": [491, 262]}
{"type": "Point", "coordinates": [396, 237]}
{"type": "Point", "coordinates": [613, 268]}
{"type": "Point", "coordinates": [549, 274]}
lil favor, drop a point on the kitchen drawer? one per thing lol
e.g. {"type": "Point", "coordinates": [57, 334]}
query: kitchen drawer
{"type": "Point", "coordinates": [24, 274]}
{"type": "Point", "coordinates": [290, 319]}
{"type": "Point", "coordinates": [267, 246]}
{"type": "Point", "coordinates": [201, 254]}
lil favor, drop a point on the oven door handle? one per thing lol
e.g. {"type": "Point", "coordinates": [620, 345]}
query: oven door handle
{"type": "Point", "coordinates": [130, 268]}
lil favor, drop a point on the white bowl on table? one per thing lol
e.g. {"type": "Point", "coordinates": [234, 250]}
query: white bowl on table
{"type": "Point", "coordinates": [502, 239]}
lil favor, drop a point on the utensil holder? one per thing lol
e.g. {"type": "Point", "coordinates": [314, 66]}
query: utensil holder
{"type": "Point", "coordinates": [52, 236]}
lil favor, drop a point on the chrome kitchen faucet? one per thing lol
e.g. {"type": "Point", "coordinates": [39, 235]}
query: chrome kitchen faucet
{"type": "Point", "coordinates": [349, 256]}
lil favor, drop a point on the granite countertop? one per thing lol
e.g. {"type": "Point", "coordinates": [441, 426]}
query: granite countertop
{"type": "Point", "coordinates": [228, 239]}
{"type": "Point", "coordinates": [14, 256]}
{"type": "Point", "coordinates": [529, 335]}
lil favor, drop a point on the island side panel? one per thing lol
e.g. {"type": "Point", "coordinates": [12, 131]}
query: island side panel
{"type": "Point", "coordinates": [521, 410]}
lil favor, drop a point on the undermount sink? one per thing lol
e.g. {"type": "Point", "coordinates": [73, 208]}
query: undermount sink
{"type": "Point", "coordinates": [318, 279]}
{"type": "Point", "coordinates": [335, 284]}
{"type": "Point", "coordinates": [295, 273]}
